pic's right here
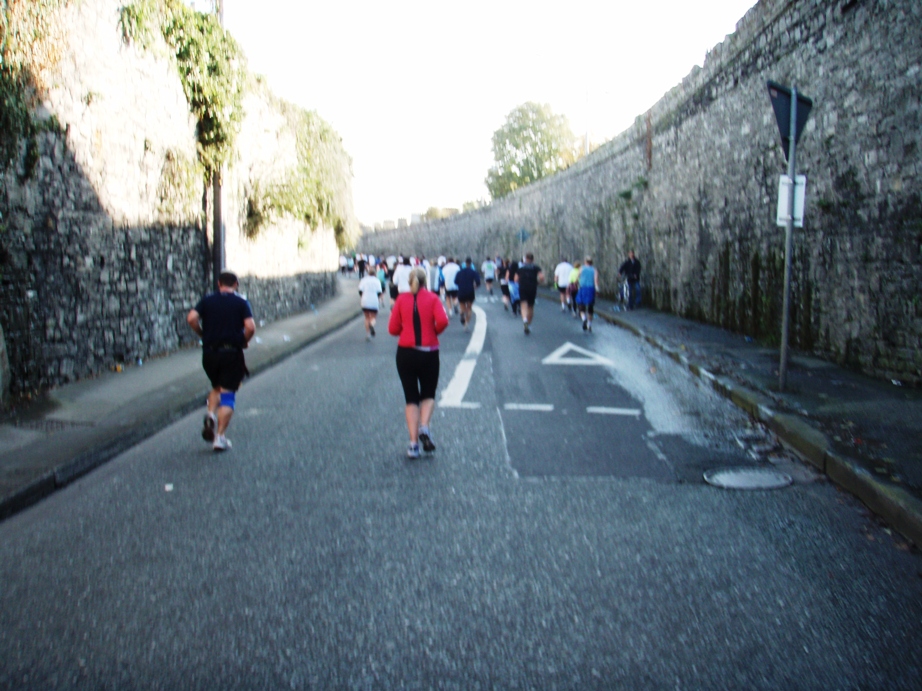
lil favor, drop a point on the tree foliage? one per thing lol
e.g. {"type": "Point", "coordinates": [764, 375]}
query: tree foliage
{"type": "Point", "coordinates": [317, 189]}
{"type": "Point", "coordinates": [210, 64]}
{"type": "Point", "coordinates": [30, 48]}
{"type": "Point", "coordinates": [533, 143]}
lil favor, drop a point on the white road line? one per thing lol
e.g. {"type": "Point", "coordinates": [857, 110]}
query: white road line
{"type": "Point", "coordinates": [453, 394]}
{"type": "Point", "coordinates": [601, 410]}
{"type": "Point", "coordinates": [541, 407]}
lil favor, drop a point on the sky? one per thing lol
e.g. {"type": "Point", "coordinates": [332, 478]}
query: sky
{"type": "Point", "coordinates": [416, 89]}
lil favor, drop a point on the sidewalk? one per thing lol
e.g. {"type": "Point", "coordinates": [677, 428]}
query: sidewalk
{"type": "Point", "coordinates": [863, 433]}
{"type": "Point", "coordinates": [77, 427]}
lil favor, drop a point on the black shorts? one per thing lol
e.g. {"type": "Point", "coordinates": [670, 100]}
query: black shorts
{"type": "Point", "coordinates": [394, 292]}
{"type": "Point", "coordinates": [467, 297]}
{"type": "Point", "coordinates": [527, 298]}
{"type": "Point", "coordinates": [452, 293]}
{"type": "Point", "coordinates": [225, 368]}
{"type": "Point", "coordinates": [504, 289]}
{"type": "Point", "coordinates": [562, 289]}
{"type": "Point", "coordinates": [419, 373]}
{"type": "Point", "coordinates": [368, 311]}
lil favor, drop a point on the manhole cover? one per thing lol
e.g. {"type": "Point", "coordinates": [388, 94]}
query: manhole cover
{"type": "Point", "coordinates": [747, 478]}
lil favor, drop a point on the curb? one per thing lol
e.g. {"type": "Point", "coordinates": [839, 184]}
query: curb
{"type": "Point", "coordinates": [105, 451]}
{"type": "Point", "coordinates": [899, 508]}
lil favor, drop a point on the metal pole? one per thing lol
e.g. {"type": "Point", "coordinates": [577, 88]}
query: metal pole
{"type": "Point", "coordinates": [788, 244]}
{"type": "Point", "coordinates": [217, 219]}
{"type": "Point", "coordinates": [217, 228]}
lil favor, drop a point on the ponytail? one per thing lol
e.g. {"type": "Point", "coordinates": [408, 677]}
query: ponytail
{"type": "Point", "coordinates": [417, 279]}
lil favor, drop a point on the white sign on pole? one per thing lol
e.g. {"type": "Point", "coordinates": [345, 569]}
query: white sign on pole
{"type": "Point", "coordinates": [784, 194]}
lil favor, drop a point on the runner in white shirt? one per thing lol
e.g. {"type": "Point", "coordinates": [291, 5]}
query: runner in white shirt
{"type": "Point", "coordinates": [488, 271]}
{"type": "Point", "coordinates": [401, 277]}
{"type": "Point", "coordinates": [562, 279]}
{"type": "Point", "coordinates": [370, 289]}
{"type": "Point", "coordinates": [449, 271]}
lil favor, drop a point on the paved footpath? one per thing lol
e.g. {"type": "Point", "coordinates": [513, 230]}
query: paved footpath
{"type": "Point", "coordinates": [861, 432]}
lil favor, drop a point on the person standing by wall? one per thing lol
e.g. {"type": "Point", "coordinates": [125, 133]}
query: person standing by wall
{"type": "Point", "coordinates": [631, 269]}
{"type": "Point", "coordinates": [417, 320]}
{"type": "Point", "coordinates": [224, 321]}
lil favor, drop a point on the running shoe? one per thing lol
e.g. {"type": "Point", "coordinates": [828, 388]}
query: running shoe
{"type": "Point", "coordinates": [584, 325]}
{"type": "Point", "coordinates": [590, 327]}
{"type": "Point", "coordinates": [426, 440]}
{"type": "Point", "coordinates": [372, 329]}
{"type": "Point", "coordinates": [221, 443]}
{"type": "Point", "coordinates": [211, 422]}
{"type": "Point", "coordinates": [527, 330]}
{"type": "Point", "coordinates": [413, 451]}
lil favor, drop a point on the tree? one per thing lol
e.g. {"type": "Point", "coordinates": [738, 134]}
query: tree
{"type": "Point", "coordinates": [533, 143]}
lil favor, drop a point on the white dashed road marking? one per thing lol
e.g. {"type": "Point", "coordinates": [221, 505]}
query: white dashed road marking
{"type": "Point", "coordinates": [541, 407]}
{"type": "Point", "coordinates": [601, 410]}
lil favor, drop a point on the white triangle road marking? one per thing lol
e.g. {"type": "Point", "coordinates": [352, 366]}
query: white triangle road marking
{"type": "Point", "coordinates": [558, 357]}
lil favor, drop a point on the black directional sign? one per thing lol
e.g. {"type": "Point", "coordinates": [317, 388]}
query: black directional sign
{"type": "Point", "coordinates": [781, 104]}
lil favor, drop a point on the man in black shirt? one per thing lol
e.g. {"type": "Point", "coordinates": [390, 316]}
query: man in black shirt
{"type": "Point", "coordinates": [631, 269]}
{"type": "Point", "coordinates": [225, 323]}
{"type": "Point", "coordinates": [528, 277]}
{"type": "Point", "coordinates": [467, 280]}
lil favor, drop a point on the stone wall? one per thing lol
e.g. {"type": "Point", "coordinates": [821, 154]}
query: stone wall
{"type": "Point", "coordinates": [692, 186]}
{"type": "Point", "coordinates": [105, 246]}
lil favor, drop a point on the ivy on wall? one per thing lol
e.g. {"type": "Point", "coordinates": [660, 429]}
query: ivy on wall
{"type": "Point", "coordinates": [211, 67]}
{"type": "Point", "coordinates": [315, 190]}
{"type": "Point", "coordinates": [30, 48]}
{"type": "Point", "coordinates": [212, 70]}
{"type": "Point", "coordinates": [214, 77]}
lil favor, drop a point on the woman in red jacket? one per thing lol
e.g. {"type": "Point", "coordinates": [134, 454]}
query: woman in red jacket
{"type": "Point", "coordinates": [418, 318]}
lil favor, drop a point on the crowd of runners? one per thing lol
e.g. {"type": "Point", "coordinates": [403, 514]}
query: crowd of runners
{"type": "Point", "coordinates": [423, 295]}
{"type": "Point", "coordinates": [456, 280]}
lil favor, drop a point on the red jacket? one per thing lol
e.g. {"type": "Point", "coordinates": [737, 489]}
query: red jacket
{"type": "Point", "coordinates": [432, 317]}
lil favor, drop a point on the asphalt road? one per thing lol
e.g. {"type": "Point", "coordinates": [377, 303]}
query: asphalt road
{"type": "Point", "coordinates": [560, 537]}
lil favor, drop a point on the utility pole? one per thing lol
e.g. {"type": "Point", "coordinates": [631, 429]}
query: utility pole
{"type": "Point", "coordinates": [217, 234]}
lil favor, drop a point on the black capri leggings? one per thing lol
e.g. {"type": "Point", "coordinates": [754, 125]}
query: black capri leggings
{"type": "Point", "coordinates": [419, 373]}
